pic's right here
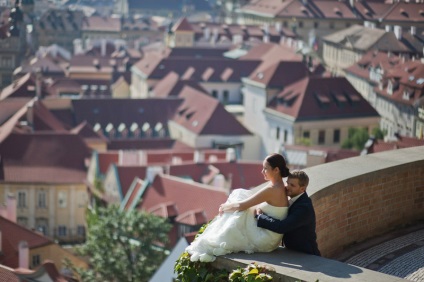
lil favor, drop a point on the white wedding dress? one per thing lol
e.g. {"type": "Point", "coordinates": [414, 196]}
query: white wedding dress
{"type": "Point", "coordinates": [235, 232]}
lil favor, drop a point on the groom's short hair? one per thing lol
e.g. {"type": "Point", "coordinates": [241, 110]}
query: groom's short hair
{"type": "Point", "coordinates": [301, 176]}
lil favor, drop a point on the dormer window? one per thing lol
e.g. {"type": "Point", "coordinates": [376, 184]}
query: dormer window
{"type": "Point", "coordinates": [407, 94]}
{"type": "Point", "coordinates": [392, 86]}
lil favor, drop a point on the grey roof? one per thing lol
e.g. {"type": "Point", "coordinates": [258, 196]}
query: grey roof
{"type": "Point", "coordinates": [356, 37]}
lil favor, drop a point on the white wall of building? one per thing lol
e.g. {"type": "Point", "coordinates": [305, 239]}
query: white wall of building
{"type": "Point", "coordinates": [251, 143]}
{"type": "Point", "coordinates": [234, 95]}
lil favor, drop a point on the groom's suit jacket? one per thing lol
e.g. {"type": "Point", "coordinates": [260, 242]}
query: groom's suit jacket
{"type": "Point", "coordinates": [298, 227]}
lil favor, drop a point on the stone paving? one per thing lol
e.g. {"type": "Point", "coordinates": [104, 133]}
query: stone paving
{"type": "Point", "coordinates": [402, 256]}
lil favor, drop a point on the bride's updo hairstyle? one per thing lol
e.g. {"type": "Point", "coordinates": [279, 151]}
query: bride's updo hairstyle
{"type": "Point", "coordinates": [277, 160]}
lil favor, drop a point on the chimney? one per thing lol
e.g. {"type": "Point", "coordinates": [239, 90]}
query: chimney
{"type": "Point", "coordinates": [78, 47]}
{"type": "Point", "coordinates": [207, 33]}
{"type": "Point", "coordinates": [96, 63]}
{"type": "Point", "coordinates": [398, 32]}
{"type": "Point", "coordinates": [199, 156]}
{"type": "Point", "coordinates": [352, 3]}
{"type": "Point", "coordinates": [3, 211]}
{"type": "Point", "coordinates": [413, 30]}
{"type": "Point", "coordinates": [38, 77]}
{"type": "Point", "coordinates": [103, 47]}
{"type": "Point", "coordinates": [265, 38]}
{"type": "Point", "coordinates": [219, 181]}
{"type": "Point", "coordinates": [23, 255]}
{"type": "Point", "coordinates": [11, 207]}
{"type": "Point", "coordinates": [230, 155]}
{"type": "Point", "coordinates": [278, 27]}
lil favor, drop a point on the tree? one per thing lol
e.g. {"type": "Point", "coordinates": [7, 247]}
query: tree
{"type": "Point", "coordinates": [124, 246]}
{"type": "Point", "coordinates": [357, 139]}
{"type": "Point", "coordinates": [378, 133]}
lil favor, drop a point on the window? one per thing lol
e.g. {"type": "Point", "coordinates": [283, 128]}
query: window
{"type": "Point", "coordinates": [36, 260]}
{"type": "Point", "coordinates": [41, 201]}
{"type": "Point", "coordinates": [215, 93]}
{"type": "Point", "coordinates": [22, 221]}
{"type": "Point", "coordinates": [277, 134]}
{"type": "Point", "coordinates": [306, 134]}
{"type": "Point", "coordinates": [81, 230]}
{"type": "Point", "coordinates": [331, 25]}
{"type": "Point", "coordinates": [21, 200]}
{"type": "Point", "coordinates": [316, 24]}
{"type": "Point", "coordinates": [41, 225]}
{"type": "Point", "coordinates": [62, 199]}
{"type": "Point", "coordinates": [226, 97]}
{"type": "Point", "coordinates": [336, 136]}
{"type": "Point", "coordinates": [301, 24]}
{"type": "Point", "coordinates": [6, 62]}
{"type": "Point", "coordinates": [61, 231]}
{"type": "Point", "coordinates": [321, 137]}
{"type": "Point", "coordinates": [285, 135]}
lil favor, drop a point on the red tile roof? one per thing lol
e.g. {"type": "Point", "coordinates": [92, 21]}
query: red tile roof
{"type": "Point", "coordinates": [105, 159]}
{"type": "Point", "coordinates": [182, 25]}
{"type": "Point", "coordinates": [85, 130]}
{"type": "Point", "coordinates": [157, 68]}
{"type": "Point", "coordinates": [33, 174]}
{"type": "Point", "coordinates": [10, 106]}
{"type": "Point", "coordinates": [43, 119]}
{"type": "Point", "coordinates": [63, 150]}
{"type": "Point", "coordinates": [402, 11]}
{"type": "Point", "coordinates": [335, 9]}
{"type": "Point", "coordinates": [126, 111]}
{"type": "Point", "coordinates": [44, 64]}
{"type": "Point", "coordinates": [266, 7]}
{"type": "Point", "coordinates": [147, 144]}
{"type": "Point", "coordinates": [7, 274]}
{"type": "Point", "coordinates": [404, 75]}
{"type": "Point", "coordinates": [280, 74]}
{"type": "Point", "coordinates": [400, 143]}
{"type": "Point", "coordinates": [127, 174]}
{"type": "Point", "coordinates": [204, 115]}
{"type": "Point", "coordinates": [10, 125]}
{"type": "Point", "coordinates": [12, 234]}
{"type": "Point", "coordinates": [239, 174]}
{"type": "Point", "coordinates": [21, 87]}
{"type": "Point", "coordinates": [172, 84]}
{"type": "Point", "coordinates": [186, 195]}
{"type": "Point", "coordinates": [193, 217]}
{"type": "Point", "coordinates": [315, 98]}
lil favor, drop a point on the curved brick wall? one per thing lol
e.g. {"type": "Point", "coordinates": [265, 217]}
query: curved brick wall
{"type": "Point", "coordinates": [359, 198]}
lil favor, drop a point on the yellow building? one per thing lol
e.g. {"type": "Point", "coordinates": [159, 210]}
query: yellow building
{"type": "Point", "coordinates": [46, 174]}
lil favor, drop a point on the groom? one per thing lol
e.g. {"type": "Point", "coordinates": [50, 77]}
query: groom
{"type": "Point", "coordinates": [299, 225]}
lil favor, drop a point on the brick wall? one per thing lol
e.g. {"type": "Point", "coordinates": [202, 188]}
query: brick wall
{"type": "Point", "coordinates": [359, 198]}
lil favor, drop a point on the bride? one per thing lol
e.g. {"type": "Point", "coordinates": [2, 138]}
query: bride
{"type": "Point", "coordinates": [235, 229]}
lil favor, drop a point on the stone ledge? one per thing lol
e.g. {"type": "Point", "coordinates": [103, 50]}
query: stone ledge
{"type": "Point", "coordinates": [293, 266]}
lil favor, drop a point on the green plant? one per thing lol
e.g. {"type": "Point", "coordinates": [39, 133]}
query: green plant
{"type": "Point", "coordinates": [189, 271]}
{"type": "Point", "coordinates": [251, 273]}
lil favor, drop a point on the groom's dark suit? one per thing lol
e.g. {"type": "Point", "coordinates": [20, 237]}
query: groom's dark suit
{"type": "Point", "coordinates": [298, 227]}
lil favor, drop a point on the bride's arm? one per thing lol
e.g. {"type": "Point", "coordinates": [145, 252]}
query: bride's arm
{"type": "Point", "coordinates": [261, 196]}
